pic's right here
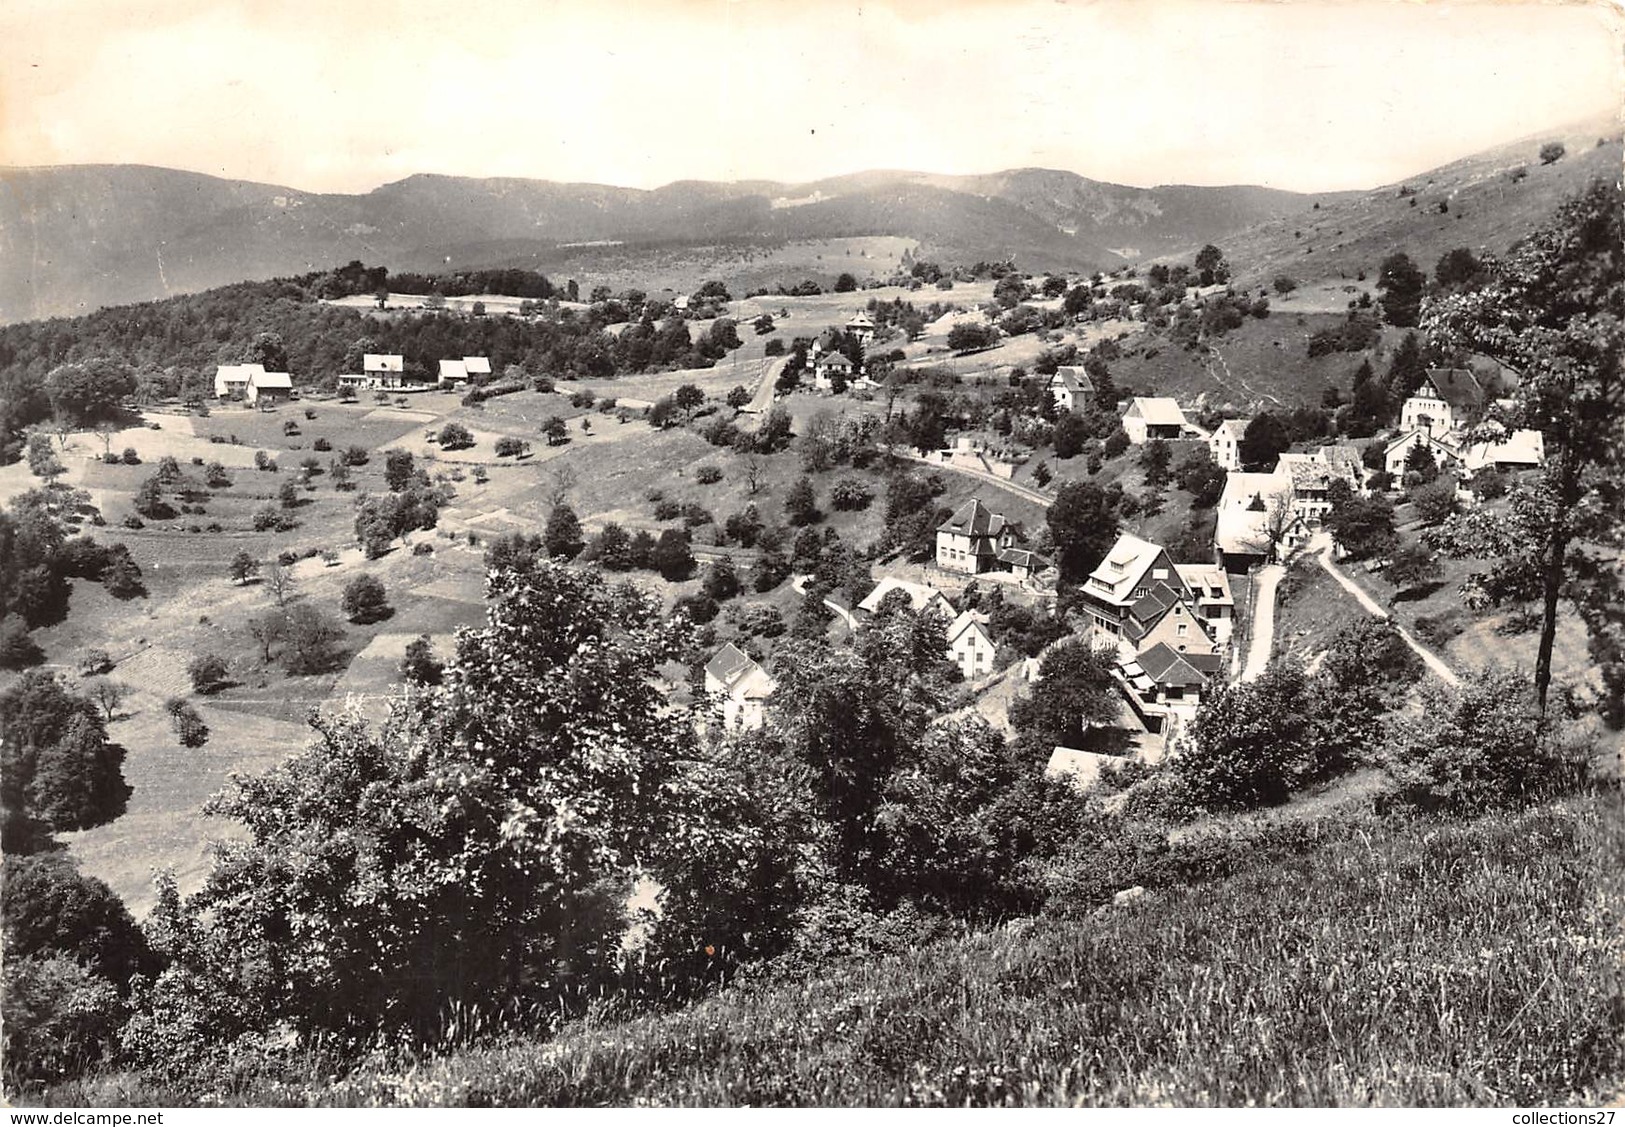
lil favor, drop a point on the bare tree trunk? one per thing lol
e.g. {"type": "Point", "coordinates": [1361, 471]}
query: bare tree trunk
{"type": "Point", "coordinates": [1548, 623]}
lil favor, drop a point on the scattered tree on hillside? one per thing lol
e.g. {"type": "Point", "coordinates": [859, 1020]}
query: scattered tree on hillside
{"type": "Point", "coordinates": [1553, 311]}
{"type": "Point", "coordinates": [364, 600]}
{"type": "Point", "coordinates": [562, 536]}
{"type": "Point", "coordinates": [1400, 284]}
{"type": "Point", "coordinates": [1263, 442]}
{"type": "Point", "coordinates": [207, 672]}
{"type": "Point", "coordinates": [1552, 152]}
{"type": "Point", "coordinates": [1074, 691]}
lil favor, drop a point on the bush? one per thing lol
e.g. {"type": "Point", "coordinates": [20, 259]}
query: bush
{"type": "Point", "coordinates": [510, 447]}
{"type": "Point", "coordinates": [17, 649]}
{"type": "Point", "coordinates": [1252, 743]}
{"type": "Point", "coordinates": [355, 456]}
{"type": "Point", "coordinates": [708, 474]}
{"type": "Point", "coordinates": [455, 436]}
{"type": "Point", "coordinates": [322, 445]}
{"type": "Point", "coordinates": [207, 672]}
{"type": "Point", "coordinates": [134, 522]}
{"type": "Point", "coordinates": [131, 458]}
{"type": "Point", "coordinates": [1482, 745]}
{"type": "Point", "coordinates": [851, 495]}
{"type": "Point", "coordinates": [667, 510]}
{"type": "Point", "coordinates": [95, 662]}
{"type": "Point", "coordinates": [189, 727]}
{"type": "Point", "coordinates": [419, 665]}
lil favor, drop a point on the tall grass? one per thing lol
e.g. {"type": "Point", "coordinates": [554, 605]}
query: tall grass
{"type": "Point", "coordinates": [1429, 963]}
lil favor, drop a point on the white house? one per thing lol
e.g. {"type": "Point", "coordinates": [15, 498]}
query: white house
{"type": "Point", "coordinates": [231, 380]}
{"type": "Point", "coordinates": [1448, 399]}
{"type": "Point", "coordinates": [1215, 605]}
{"type": "Point", "coordinates": [477, 365]}
{"type": "Point", "coordinates": [1446, 454]}
{"type": "Point", "coordinates": [861, 327]}
{"type": "Point", "coordinates": [1151, 417]}
{"type": "Point", "coordinates": [1225, 444]}
{"type": "Point", "coordinates": [1257, 521]}
{"type": "Point", "coordinates": [1123, 578]}
{"type": "Point", "coordinates": [1312, 477]}
{"type": "Point", "coordinates": [921, 597]}
{"type": "Point", "coordinates": [743, 685]}
{"type": "Point", "coordinates": [1071, 388]}
{"type": "Point", "coordinates": [383, 370]}
{"type": "Point", "coordinates": [828, 367]}
{"type": "Point", "coordinates": [971, 540]}
{"type": "Point", "coordinates": [969, 645]}
{"type": "Point", "coordinates": [268, 387]}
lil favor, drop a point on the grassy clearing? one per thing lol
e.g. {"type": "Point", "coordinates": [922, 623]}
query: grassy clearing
{"type": "Point", "coordinates": [1311, 607]}
{"type": "Point", "coordinates": [1427, 963]}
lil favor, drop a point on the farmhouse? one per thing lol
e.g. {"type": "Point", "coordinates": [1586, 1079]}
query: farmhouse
{"type": "Point", "coordinates": [1071, 388]}
{"type": "Point", "coordinates": [970, 541]}
{"type": "Point", "coordinates": [269, 387]}
{"type": "Point", "coordinates": [383, 370]}
{"type": "Point", "coordinates": [1225, 445]}
{"type": "Point", "coordinates": [743, 685]}
{"type": "Point", "coordinates": [1448, 399]}
{"type": "Point", "coordinates": [1258, 521]}
{"type": "Point", "coordinates": [1520, 450]}
{"type": "Point", "coordinates": [1154, 417]}
{"type": "Point", "coordinates": [452, 373]}
{"type": "Point", "coordinates": [921, 597]}
{"type": "Point", "coordinates": [477, 365]}
{"type": "Point", "coordinates": [969, 645]}
{"type": "Point", "coordinates": [231, 380]}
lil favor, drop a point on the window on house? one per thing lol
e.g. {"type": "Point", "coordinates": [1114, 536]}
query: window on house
{"type": "Point", "coordinates": [1183, 629]}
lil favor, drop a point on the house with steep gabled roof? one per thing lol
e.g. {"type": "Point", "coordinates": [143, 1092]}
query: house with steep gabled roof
{"type": "Point", "coordinates": [1446, 453]}
{"type": "Point", "coordinates": [743, 686]}
{"type": "Point", "coordinates": [453, 373]}
{"type": "Point", "coordinates": [970, 541]}
{"type": "Point", "coordinates": [1166, 616]}
{"type": "Point", "coordinates": [1151, 417]}
{"type": "Point", "coordinates": [970, 646]}
{"type": "Point", "coordinates": [1178, 678]}
{"type": "Point", "coordinates": [1447, 400]}
{"type": "Point", "coordinates": [1225, 443]}
{"type": "Point", "coordinates": [1517, 450]}
{"type": "Point", "coordinates": [477, 365]}
{"type": "Point", "coordinates": [861, 327]}
{"type": "Point", "coordinates": [1071, 388]}
{"type": "Point", "coordinates": [1127, 574]}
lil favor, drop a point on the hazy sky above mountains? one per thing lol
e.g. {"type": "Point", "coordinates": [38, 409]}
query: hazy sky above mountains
{"type": "Point", "coordinates": [342, 95]}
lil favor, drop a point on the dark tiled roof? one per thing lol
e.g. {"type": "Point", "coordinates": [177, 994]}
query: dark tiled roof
{"type": "Point", "coordinates": [974, 519]}
{"type": "Point", "coordinates": [1457, 387]}
{"type": "Point", "coordinates": [1167, 666]}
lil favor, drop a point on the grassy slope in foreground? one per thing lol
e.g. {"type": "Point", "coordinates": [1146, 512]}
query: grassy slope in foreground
{"type": "Point", "coordinates": [1429, 963]}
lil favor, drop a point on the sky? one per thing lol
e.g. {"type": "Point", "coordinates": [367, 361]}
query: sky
{"type": "Point", "coordinates": [343, 95]}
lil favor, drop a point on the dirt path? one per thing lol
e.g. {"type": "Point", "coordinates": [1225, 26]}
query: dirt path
{"type": "Point", "coordinates": [1021, 491]}
{"type": "Point", "coordinates": [1262, 639]}
{"type": "Point", "coordinates": [763, 399]}
{"type": "Point", "coordinates": [1323, 543]}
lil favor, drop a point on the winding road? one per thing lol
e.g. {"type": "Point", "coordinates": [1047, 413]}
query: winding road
{"type": "Point", "coordinates": [1322, 543]}
{"type": "Point", "coordinates": [1262, 640]}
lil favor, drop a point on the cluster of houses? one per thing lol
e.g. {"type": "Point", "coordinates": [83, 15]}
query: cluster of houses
{"type": "Point", "coordinates": [1437, 418]}
{"type": "Point", "coordinates": [831, 368]}
{"type": "Point", "coordinates": [251, 383]}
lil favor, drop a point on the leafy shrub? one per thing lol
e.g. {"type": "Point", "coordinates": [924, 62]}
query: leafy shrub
{"type": "Point", "coordinates": [207, 672]}
{"type": "Point", "coordinates": [364, 600]}
{"type": "Point", "coordinates": [667, 510]}
{"type": "Point", "coordinates": [1482, 745]}
{"type": "Point", "coordinates": [322, 444]}
{"type": "Point", "coordinates": [851, 495]}
{"type": "Point", "coordinates": [708, 474]}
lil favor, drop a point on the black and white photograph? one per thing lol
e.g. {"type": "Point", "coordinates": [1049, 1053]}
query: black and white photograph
{"type": "Point", "coordinates": [812, 553]}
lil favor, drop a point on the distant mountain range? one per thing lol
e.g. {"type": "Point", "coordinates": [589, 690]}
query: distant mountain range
{"type": "Point", "coordinates": [76, 237]}
{"type": "Point", "coordinates": [80, 236]}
